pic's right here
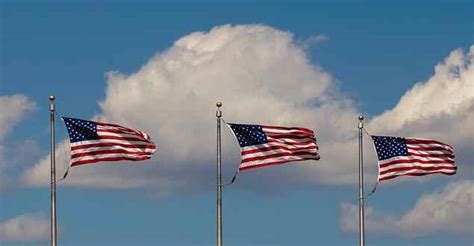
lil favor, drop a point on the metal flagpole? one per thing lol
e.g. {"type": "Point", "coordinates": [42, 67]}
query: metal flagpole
{"type": "Point", "coordinates": [361, 185]}
{"type": "Point", "coordinates": [54, 236]}
{"type": "Point", "coordinates": [219, 175]}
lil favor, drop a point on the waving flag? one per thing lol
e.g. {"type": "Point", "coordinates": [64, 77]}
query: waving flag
{"type": "Point", "coordinates": [96, 141]}
{"type": "Point", "coordinates": [399, 156]}
{"type": "Point", "coordinates": [263, 145]}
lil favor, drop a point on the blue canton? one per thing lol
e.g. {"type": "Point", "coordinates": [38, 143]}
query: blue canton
{"type": "Point", "coordinates": [388, 147]}
{"type": "Point", "coordinates": [80, 130]}
{"type": "Point", "coordinates": [249, 135]}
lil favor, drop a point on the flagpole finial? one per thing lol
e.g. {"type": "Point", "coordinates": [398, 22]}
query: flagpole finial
{"type": "Point", "coordinates": [219, 112]}
{"type": "Point", "coordinates": [51, 103]}
{"type": "Point", "coordinates": [361, 118]}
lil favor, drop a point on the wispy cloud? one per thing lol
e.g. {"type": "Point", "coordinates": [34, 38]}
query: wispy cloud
{"type": "Point", "coordinates": [312, 41]}
{"type": "Point", "coordinates": [13, 108]}
{"type": "Point", "coordinates": [31, 227]}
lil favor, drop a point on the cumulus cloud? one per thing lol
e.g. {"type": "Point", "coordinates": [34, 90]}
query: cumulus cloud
{"type": "Point", "coordinates": [441, 107]}
{"type": "Point", "coordinates": [262, 75]}
{"type": "Point", "coordinates": [31, 227]}
{"type": "Point", "coordinates": [12, 108]}
{"type": "Point", "coordinates": [258, 72]}
{"type": "Point", "coordinates": [448, 92]}
{"type": "Point", "coordinates": [448, 211]}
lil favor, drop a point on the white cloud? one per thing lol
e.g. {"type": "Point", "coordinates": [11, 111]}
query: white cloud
{"type": "Point", "coordinates": [25, 228]}
{"type": "Point", "coordinates": [12, 108]}
{"type": "Point", "coordinates": [441, 107]}
{"type": "Point", "coordinates": [374, 221]}
{"type": "Point", "coordinates": [259, 73]}
{"type": "Point", "coordinates": [313, 40]}
{"type": "Point", "coordinates": [262, 75]}
{"type": "Point", "coordinates": [449, 211]}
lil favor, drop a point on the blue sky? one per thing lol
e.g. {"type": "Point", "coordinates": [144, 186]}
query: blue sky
{"type": "Point", "coordinates": [355, 57]}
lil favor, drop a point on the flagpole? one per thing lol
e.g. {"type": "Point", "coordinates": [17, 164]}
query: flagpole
{"type": "Point", "coordinates": [361, 185]}
{"type": "Point", "coordinates": [54, 236]}
{"type": "Point", "coordinates": [219, 175]}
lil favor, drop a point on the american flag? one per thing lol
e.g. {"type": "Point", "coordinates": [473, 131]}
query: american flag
{"type": "Point", "coordinates": [263, 145]}
{"type": "Point", "coordinates": [399, 156]}
{"type": "Point", "coordinates": [96, 141]}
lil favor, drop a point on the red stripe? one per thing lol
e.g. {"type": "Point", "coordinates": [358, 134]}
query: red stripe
{"type": "Point", "coordinates": [263, 149]}
{"type": "Point", "coordinates": [290, 136]}
{"type": "Point", "coordinates": [123, 138]}
{"type": "Point", "coordinates": [288, 128]}
{"type": "Point", "coordinates": [417, 174]}
{"type": "Point", "coordinates": [288, 142]}
{"type": "Point", "coordinates": [109, 124]}
{"type": "Point", "coordinates": [416, 160]}
{"type": "Point", "coordinates": [401, 169]}
{"type": "Point", "coordinates": [294, 132]}
{"type": "Point", "coordinates": [112, 151]}
{"type": "Point", "coordinates": [275, 163]}
{"type": "Point", "coordinates": [431, 148]}
{"type": "Point", "coordinates": [296, 154]}
{"type": "Point", "coordinates": [425, 141]}
{"type": "Point", "coordinates": [121, 158]}
{"type": "Point", "coordinates": [125, 129]}
{"type": "Point", "coordinates": [120, 132]}
{"type": "Point", "coordinates": [139, 146]}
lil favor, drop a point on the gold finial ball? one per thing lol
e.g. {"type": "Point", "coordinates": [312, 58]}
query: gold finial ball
{"type": "Point", "coordinates": [361, 117]}
{"type": "Point", "coordinates": [51, 98]}
{"type": "Point", "coordinates": [219, 104]}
